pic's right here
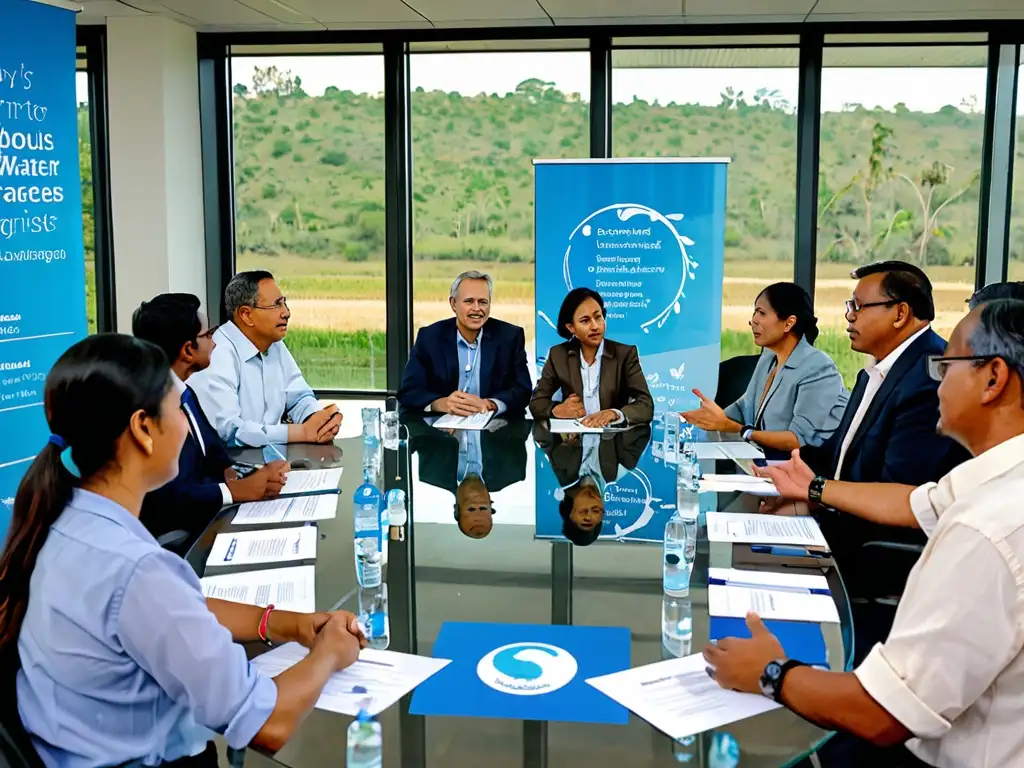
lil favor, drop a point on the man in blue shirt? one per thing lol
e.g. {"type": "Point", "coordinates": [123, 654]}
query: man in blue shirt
{"type": "Point", "coordinates": [471, 363]}
{"type": "Point", "coordinates": [206, 481]}
{"type": "Point", "coordinates": [253, 383]}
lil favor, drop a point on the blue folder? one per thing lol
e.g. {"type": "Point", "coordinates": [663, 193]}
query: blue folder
{"type": "Point", "coordinates": [801, 640]}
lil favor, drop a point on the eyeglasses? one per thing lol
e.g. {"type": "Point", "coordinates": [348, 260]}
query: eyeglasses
{"type": "Point", "coordinates": [209, 333]}
{"type": "Point", "coordinates": [852, 307]}
{"type": "Point", "coordinates": [281, 303]}
{"type": "Point", "coordinates": [937, 364]}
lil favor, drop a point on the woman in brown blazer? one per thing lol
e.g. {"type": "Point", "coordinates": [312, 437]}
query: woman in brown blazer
{"type": "Point", "coordinates": [601, 381]}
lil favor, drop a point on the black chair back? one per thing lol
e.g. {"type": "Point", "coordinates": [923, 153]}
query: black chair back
{"type": "Point", "coordinates": [733, 377]}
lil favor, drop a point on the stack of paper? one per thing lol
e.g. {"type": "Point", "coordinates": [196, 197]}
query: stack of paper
{"type": "Point", "coordinates": [678, 697]}
{"type": "Point", "coordinates": [306, 482]}
{"type": "Point", "coordinates": [736, 450]}
{"type": "Point", "coordinates": [251, 547]}
{"type": "Point", "coordinates": [575, 427]}
{"type": "Point", "coordinates": [289, 510]}
{"type": "Point", "coordinates": [289, 589]}
{"type": "Point", "coordinates": [376, 681]}
{"type": "Point", "coordinates": [784, 596]}
{"type": "Point", "coordinates": [742, 528]}
{"type": "Point", "coordinates": [758, 486]}
{"type": "Point", "coordinates": [475, 421]}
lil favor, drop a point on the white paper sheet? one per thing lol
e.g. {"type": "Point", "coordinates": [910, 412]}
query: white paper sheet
{"type": "Point", "coordinates": [678, 698]}
{"type": "Point", "coordinates": [289, 589]}
{"type": "Point", "coordinates": [476, 421]}
{"type": "Point", "coordinates": [791, 582]}
{"type": "Point", "coordinates": [298, 509]}
{"type": "Point", "coordinates": [573, 427]}
{"type": "Point", "coordinates": [757, 486]}
{"type": "Point", "coordinates": [251, 547]}
{"type": "Point", "coordinates": [736, 450]}
{"type": "Point", "coordinates": [742, 528]}
{"type": "Point", "coordinates": [379, 678]}
{"type": "Point", "coordinates": [769, 603]}
{"type": "Point", "coordinates": [312, 481]}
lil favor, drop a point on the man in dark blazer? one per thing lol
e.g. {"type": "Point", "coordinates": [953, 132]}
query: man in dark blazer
{"type": "Point", "coordinates": [470, 363]}
{"type": "Point", "coordinates": [206, 481]}
{"type": "Point", "coordinates": [888, 431]}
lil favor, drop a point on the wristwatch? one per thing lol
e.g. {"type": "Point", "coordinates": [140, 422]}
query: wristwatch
{"type": "Point", "coordinates": [815, 489]}
{"type": "Point", "coordinates": [746, 431]}
{"type": "Point", "coordinates": [773, 675]}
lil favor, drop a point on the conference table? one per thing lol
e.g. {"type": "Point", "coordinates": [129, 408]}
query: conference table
{"type": "Point", "coordinates": [436, 575]}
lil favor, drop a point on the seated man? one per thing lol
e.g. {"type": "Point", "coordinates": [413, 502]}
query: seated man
{"type": "Point", "coordinates": [946, 679]}
{"type": "Point", "coordinates": [205, 482]}
{"type": "Point", "coordinates": [253, 383]}
{"type": "Point", "coordinates": [470, 363]}
{"type": "Point", "coordinates": [992, 291]}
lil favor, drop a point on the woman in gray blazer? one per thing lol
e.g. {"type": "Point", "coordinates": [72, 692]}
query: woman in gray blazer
{"type": "Point", "coordinates": [796, 396]}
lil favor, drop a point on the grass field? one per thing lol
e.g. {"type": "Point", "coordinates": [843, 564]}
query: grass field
{"type": "Point", "coordinates": [339, 310]}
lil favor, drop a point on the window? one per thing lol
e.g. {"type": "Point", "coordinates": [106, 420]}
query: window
{"type": "Point", "coordinates": [738, 103]}
{"type": "Point", "coordinates": [309, 204]}
{"type": "Point", "coordinates": [85, 166]}
{"type": "Point", "coordinates": [901, 143]}
{"type": "Point", "coordinates": [478, 122]}
{"type": "Point", "coordinates": [1016, 265]}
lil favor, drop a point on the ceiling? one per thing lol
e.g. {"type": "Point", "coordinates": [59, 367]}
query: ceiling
{"type": "Point", "coordinates": [313, 15]}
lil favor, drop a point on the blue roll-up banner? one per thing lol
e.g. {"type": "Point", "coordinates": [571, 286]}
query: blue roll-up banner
{"type": "Point", "coordinates": [42, 260]}
{"type": "Point", "coordinates": [649, 236]}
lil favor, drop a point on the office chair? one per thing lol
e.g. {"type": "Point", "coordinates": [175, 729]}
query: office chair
{"type": "Point", "coordinates": [174, 541]}
{"type": "Point", "coordinates": [733, 377]}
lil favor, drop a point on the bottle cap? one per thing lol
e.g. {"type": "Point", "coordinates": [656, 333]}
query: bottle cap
{"type": "Point", "coordinates": [363, 716]}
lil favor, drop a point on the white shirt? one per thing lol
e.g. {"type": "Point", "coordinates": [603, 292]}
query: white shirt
{"type": "Point", "coordinates": [951, 669]}
{"type": "Point", "coordinates": [197, 433]}
{"type": "Point", "coordinates": [591, 375]}
{"type": "Point", "coordinates": [876, 375]}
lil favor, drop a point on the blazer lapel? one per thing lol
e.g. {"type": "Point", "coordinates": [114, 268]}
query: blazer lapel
{"type": "Point", "coordinates": [486, 349]}
{"type": "Point", "coordinates": [450, 355]}
{"type": "Point", "coordinates": [608, 387]}
{"type": "Point", "coordinates": [575, 376]}
{"type": "Point", "coordinates": [851, 408]}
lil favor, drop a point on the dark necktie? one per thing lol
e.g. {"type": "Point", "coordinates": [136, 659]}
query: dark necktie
{"type": "Point", "coordinates": [188, 398]}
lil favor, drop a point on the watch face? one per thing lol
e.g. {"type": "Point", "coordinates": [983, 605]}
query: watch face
{"type": "Point", "coordinates": [773, 670]}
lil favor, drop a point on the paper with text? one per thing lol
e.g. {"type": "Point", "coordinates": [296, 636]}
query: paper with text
{"type": "Point", "coordinates": [376, 681]}
{"type": "Point", "coordinates": [795, 582]}
{"type": "Point", "coordinates": [288, 589]}
{"type": "Point", "coordinates": [758, 486]}
{"type": "Point", "coordinates": [768, 603]}
{"type": "Point", "coordinates": [475, 421]}
{"type": "Point", "coordinates": [678, 697]}
{"type": "Point", "coordinates": [297, 509]}
{"type": "Point", "coordinates": [305, 481]}
{"type": "Point", "coordinates": [574, 427]}
{"type": "Point", "coordinates": [743, 528]}
{"type": "Point", "coordinates": [251, 547]}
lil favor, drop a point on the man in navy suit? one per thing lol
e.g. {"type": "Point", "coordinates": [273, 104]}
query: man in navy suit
{"type": "Point", "coordinates": [206, 481]}
{"type": "Point", "coordinates": [471, 363]}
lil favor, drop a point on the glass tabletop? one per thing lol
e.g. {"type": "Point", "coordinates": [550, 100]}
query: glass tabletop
{"type": "Point", "coordinates": [460, 562]}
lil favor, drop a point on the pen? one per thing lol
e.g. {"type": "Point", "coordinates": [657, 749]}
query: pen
{"type": "Point", "coordinates": [246, 465]}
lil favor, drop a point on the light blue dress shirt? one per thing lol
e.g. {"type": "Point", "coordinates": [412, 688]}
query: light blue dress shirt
{"type": "Point", "coordinates": [121, 659]}
{"type": "Point", "coordinates": [469, 366]}
{"type": "Point", "coordinates": [246, 394]}
{"type": "Point", "coordinates": [591, 375]}
{"type": "Point", "coordinates": [470, 455]}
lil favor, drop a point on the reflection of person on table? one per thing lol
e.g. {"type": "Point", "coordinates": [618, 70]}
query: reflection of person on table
{"type": "Point", "coordinates": [796, 395]}
{"type": "Point", "coordinates": [471, 464]}
{"type": "Point", "coordinates": [599, 380]}
{"type": "Point", "coordinates": [116, 656]}
{"type": "Point", "coordinates": [583, 466]}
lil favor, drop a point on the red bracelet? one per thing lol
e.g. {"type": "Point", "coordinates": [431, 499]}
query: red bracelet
{"type": "Point", "coordinates": [263, 625]}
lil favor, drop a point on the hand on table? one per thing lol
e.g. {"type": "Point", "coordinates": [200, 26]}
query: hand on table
{"type": "Point", "coordinates": [709, 417]}
{"type": "Point", "coordinates": [570, 409]}
{"type": "Point", "coordinates": [265, 483]}
{"type": "Point", "coordinates": [737, 663]}
{"type": "Point", "coordinates": [460, 403]}
{"type": "Point", "coordinates": [604, 418]}
{"type": "Point", "coordinates": [322, 426]}
{"type": "Point", "coordinates": [306, 627]}
{"type": "Point", "coordinates": [338, 634]}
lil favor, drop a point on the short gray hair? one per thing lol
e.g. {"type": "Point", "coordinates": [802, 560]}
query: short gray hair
{"type": "Point", "coordinates": [1000, 333]}
{"type": "Point", "coordinates": [993, 291]}
{"type": "Point", "coordinates": [471, 275]}
{"type": "Point", "coordinates": [243, 290]}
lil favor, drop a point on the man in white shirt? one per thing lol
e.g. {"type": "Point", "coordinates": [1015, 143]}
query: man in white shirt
{"type": "Point", "coordinates": [950, 676]}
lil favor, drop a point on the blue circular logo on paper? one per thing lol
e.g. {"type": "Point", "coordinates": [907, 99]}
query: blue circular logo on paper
{"type": "Point", "coordinates": [527, 669]}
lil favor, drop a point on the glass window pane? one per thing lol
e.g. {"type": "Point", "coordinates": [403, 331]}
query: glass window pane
{"type": "Point", "coordinates": [85, 167]}
{"type": "Point", "coordinates": [309, 205]}
{"type": "Point", "coordinates": [899, 175]}
{"type": "Point", "coordinates": [478, 122]}
{"type": "Point", "coordinates": [1016, 266]}
{"type": "Point", "coordinates": [738, 103]}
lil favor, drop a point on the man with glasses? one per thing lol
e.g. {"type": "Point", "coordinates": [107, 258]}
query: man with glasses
{"type": "Point", "coordinates": [1007, 290]}
{"type": "Point", "coordinates": [949, 678]}
{"type": "Point", "coordinates": [206, 481]}
{"type": "Point", "coordinates": [253, 384]}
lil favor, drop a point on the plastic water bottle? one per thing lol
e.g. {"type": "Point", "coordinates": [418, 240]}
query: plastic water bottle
{"type": "Point", "coordinates": [365, 743]}
{"type": "Point", "coordinates": [373, 616]}
{"type": "Point", "coordinates": [368, 535]}
{"type": "Point", "coordinates": [680, 552]}
{"type": "Point", "coordinates": [371, 444]}
{"type": "Point", "coordinates": [676, 627]}
{"type": "Point", "coordinates": [397, 515]}
{"type": "Point", "coordinates": [688, 484]}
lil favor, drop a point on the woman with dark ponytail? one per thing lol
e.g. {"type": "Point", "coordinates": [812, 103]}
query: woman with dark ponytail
{"type": "Point", "coordinates": [118, 658]}
{"type": "Point", "coordinates": [796, 396]}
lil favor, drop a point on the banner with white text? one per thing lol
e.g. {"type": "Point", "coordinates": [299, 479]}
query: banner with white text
{"type": "Point", "coordinates": [42, 261]}
{"type": "Point", "coordinates": [649, 236]}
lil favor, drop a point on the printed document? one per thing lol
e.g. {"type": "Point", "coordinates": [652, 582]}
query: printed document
{"type": "Point", "coordinates": [768, 603]}
{"type": "Point", "coordinates": [296, 509]}
{"type": "Point", "coordinates": [376, 681]}
{"type": "Point", "coordinates": [289, 589]}
{"type": "Point", "coordinates": [742, 528]}
{"type": "Point", "coordinates": [575, 427]}
{"type": "Point", "coordinates": [476, 421]}
{"type": "Point", "coordinates": [734, 450]}
{"type": "Point", "coordinates": [757, 486]}
{"type": "Point", "coordinates": [678, 697]}
{"type": "Point", "coordinates": [306, 481]}
{"type": "Point", "coordinates": [252, 547]}
{"type": "Point", "coordinates": [801, 583]}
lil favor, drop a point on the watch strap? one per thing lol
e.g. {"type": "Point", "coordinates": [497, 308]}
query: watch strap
{"type": "Point", "coordinates": [784, 668]}
{"type": "Point", "coordinates": [815, 489]}
{"type": "Point", "coordinates": [746, 431]}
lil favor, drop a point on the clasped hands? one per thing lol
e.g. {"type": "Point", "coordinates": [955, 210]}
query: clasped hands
{"type": "Point", "coordinates": [338, 632]}
{"type": "Point", "coordinates": [460, 403]}
{"type": "Point", "coordinates": [322, 426]}
{"type": "Point", "coordinates": [573, 408]}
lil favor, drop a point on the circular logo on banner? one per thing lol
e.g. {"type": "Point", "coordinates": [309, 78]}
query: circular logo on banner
{"type": "Point", "coordinates": [527, 669]}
